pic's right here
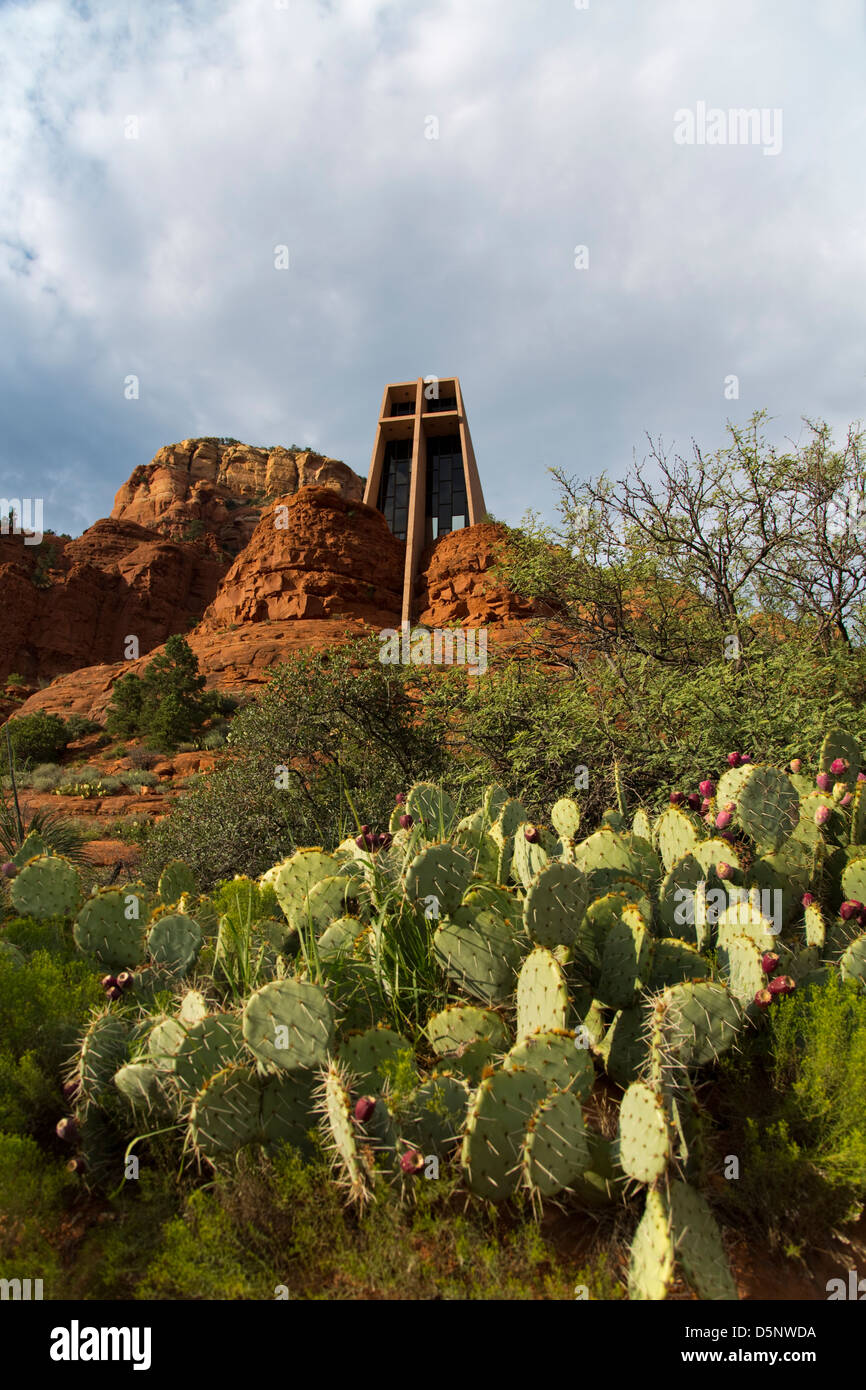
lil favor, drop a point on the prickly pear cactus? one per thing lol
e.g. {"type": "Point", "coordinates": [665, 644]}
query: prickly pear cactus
{"type": "Point", "coordinates": [175, 880]}
{"type": "Point", "coordinates": [645, 1140]}
{"type": "Point", "coordinates": [225, 1114]}
{"type": "Point", "coordinates": [46, 887]}
{"type": "Point", "coordinates": [465, 1038]}
{"type": "Point", "coordinates": [367, 1056]}
{"type": "Point", "coordinates": [341, 1136]}
{"type": "Point", "coordinates": [542, 993]}
{"type": "Point", "coordinates": [107, 929]}
{"type": "Point", "coordinates": [480, 953]}
{"type": "Point", "coordinates": [174, 942]}
{"type": "Point", "coordinates": [653, 1261]}
{"type": "Point", "coordinates": [555, 903]}
{"type": "Point", "coordinates": [698, 1244]}
{"type": "Point", "coordinates": [767, 807]}
{"type": "Point", "coordinates": [556, 1149]}
{"type": "Point", "coordinates": [290, 1024]}
{"type": "Point", "coordinates": [440, 872]}
{"type": "Point", "coordinates": [559, 1056]}
{"type": "Point", "coordinates": [496, 1123]}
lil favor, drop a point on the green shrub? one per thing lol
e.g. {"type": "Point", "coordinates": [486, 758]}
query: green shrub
{"type": "Point", "coordinates": [138, 777]}
{"type": "Point", "coordinates": [15, 679]}
{"type": "Point", "coordinates": [353, 729]}
{"type": "Point", "coordinates": [46, 777]}
{"type": "Point", "coordinates": [43, 1006]}
{"type": "Point", "coordinates": [38, 738]}
{"type": "Point", "coordinates": [798, 1105]}
{"type": "Point", "coordinates": [35, 1193]}
{"type": "Point", "coordinates": [80, 727]}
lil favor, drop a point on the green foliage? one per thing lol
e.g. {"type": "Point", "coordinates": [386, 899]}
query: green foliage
{"type": "Point", "coordinates": [165, 705]}
{"type": "Point", "coordinates": [803, 1095]}
{"type": "Point", "coordinates": [38, 738]}
{"type": "Point", "coordinates": [35, 1193]}
{"type": "Point", "coordinates": [350, 727]}
{"type": "Point", "coordinates": [59, 834]}
{"type": "Point", "coordinates": [43, 1005]}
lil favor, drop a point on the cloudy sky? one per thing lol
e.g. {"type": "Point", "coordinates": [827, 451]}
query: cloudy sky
{"type": "Point", "coordinates": [432, 167]}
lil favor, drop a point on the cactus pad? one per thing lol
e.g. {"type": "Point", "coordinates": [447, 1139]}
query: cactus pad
{"type": "Point", "coordinates": [853, 961]}
{"type": "Point", "coordinates": [644, 1134]}
{"type": "Point", "coordinates": [479, 952]}
{"type": "Point", "coordinates": [496, 1122]}
{"type": "Point", "coordinates": [369, 1056]}
{"type": "Point", "coordinates": [441, 872]}
{"type": "Point", "coordinates": [207, 1047]}
{"type": "Point", "coordinates": [652, 1262]}
{"type": "Point", "coordinates": [768, 807]}
{"type": "Point", "coordinates": [225, 1114]}
{"type": "Point", "coordinates": [702, 1020]}
{"type": "Point", "coordinates": [174, 942]}
{"type": "Point", "coordinates": [338, 1126]}
{"type": "Point", "coordinates": [431, 808]}
{"type": "Point", "coordinates": [104, 930]}
{"type": "Point", "coordinates": [556, 1056]}
{"type": "Point", "coordinates": [437, 1113]}
{"type": "Point", "coordinates": [542, 993]}
{"type": "Point", "coordinates": [565, 818]}
{"type": "Point", "coordinates": [555, 903]}
{"type": "Point", "coordinates": [46, 887]}
{"type": "Point", "coordinates": [555, 1150]}
{"type": "Point", "coordinates": [175, 880]}
{"type": "Point", "coordinates": [627, 960]}
{"type": "Point", "coordinates": [466, 1038]}
{"type": "Point", "coordinates": [698, 1244]}
{"type": "Point", "coordinates": [290, 1024]}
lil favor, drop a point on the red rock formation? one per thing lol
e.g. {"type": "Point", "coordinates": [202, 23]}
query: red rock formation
{"type": "Point", "coordinates": [455, 583]}
{"type": "Point", "coordinates": [314, 555]}
{"type": "Point", "coordinates": [201, 489]}
{"type": "Point", "coordinates": [116, 580]}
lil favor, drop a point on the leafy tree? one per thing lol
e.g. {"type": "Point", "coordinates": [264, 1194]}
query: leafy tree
{"type": "Point", "coordinates": [123, 715]}
{"type": "Point", "coordinates": [165, 704]}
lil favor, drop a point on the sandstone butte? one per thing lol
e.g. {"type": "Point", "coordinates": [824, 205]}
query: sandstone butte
{"type": "Point", "coordinates": [251, 553]}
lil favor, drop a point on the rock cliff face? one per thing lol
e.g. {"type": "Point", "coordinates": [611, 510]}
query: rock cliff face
{"type": "Point", "coordinates": [312, 566]}
{"type": "Point", "coordinates": [314, 555]}
{"type": "Point", "coordinates": [154, 566]}
{"type": "Point", "coordinates": [202, 489]}
{"type": "Point", "coordinates": [116, 580]}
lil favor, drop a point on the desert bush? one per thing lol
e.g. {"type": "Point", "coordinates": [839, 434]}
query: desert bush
{"type": "Point", "coordinates": [80, 727]}
{"type": "Point", "coordinates": [38, 738]}
{"type": "Point", "coordinates": [138, 777]}
{"type": "Point", "coordinates": [43, 1005]}
{"type": "Point", "coordinates": [797, 1102]}
{"type": "Point", "coordinates": [163, 705]}
{"type": "Point", "coordinates": [35, 1194]}
{"type": "Point", "coordinates": [346, 729]}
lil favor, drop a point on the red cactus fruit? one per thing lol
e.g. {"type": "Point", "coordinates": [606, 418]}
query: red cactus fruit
{"type": "Point", "coordinates": [67, 1129]}
{"type": "Point", "coordinates": [849, 909]}
{"type": "Point", "coordinates": [763, 999]}
{"type": "Point", "coordinates": [71, 1089]}
{"type": "Point", "coordinates": [76, 1165]}
{"type": "Point", "coordinates": [782, 984]}
{"type": "Point", "coordinates": [694, 801]}
{"type": "Point", "coordinates": [9, 870]}
{"type": "Point", "coordinates": [115, 992]}
{"type": "Point", "coordinates": [769, 962]}
{"type": "Point", "coordinates": [125, 980]}
{"type": "Point", "coordinates": [364, 1108]}
{"type": "Point", "coordinates": [400, 798]}
{"type": "Point", "coordinates": [839, 766]}
{"type": "Point", "coordinates": [822, 815]}
{"type": "Point", "coordinates": [846, 799]}
{"type": "Point", "coordinates": [406, 822]}
{"type": "Point", "coordinates": [365, 829]}
{"type": "Point", "coordinates": [724, 870]}
{"type": "Point", "coordinates": [745, 758]}
{"type": "Point", "coordinates": [677, 798]}
{"type": "Point", "coordinates": [795, 765]}
{"type": "Point", "coordinates": [734, 760]}
{"type": "Point", "coordinates": [861, 776]}
{"type": "Point", "coordinates": [823, 782]}
{"type": "Point", "coordinates": [531, 834]}
{"type": "Point", "coordinates": [807, 899]}
{"type": "Point", "coordinates": [705, 805]}
{"type": "Point", "coordinates": [360, 841]}
{"type": "Point", "coordinates": [411, 1162]}
{"type": "Point", "coordinates": [108, 981]}
{"type": "Point", "coordinates": [723, 820]}
{"type": "Point", "coordinates": [384, 841]}
{"type": "Point", "coordinates": [706, 788]}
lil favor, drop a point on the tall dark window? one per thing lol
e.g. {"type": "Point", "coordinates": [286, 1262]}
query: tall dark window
{"type": "Point", "coordinates": [443, 403]}
{"type": "Point", "coordinates": [446, 508]}
{"type": "Point", "coordinates": [402, 407]}
{"type": "Point", "coordinates": [394, 487]}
